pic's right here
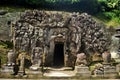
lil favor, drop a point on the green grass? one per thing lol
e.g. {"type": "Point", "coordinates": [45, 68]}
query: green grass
{"type": "Point", "coordinates": [12, 8]}
{"type": "Point", "coordinates": [114, 22]}
{"type": "Point", "coordinates": [4, 48]}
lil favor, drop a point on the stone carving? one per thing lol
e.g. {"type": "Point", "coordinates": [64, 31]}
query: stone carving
{"type": "Point", "coordinates": [106, 57]}
{"type": "Point", "coordinates": [20, 61]}
{"type": "Point", "coordinates": [81, 59]}
{"type": "Point", "coordinates": [97, 57]}
{"type": "Point", "coordinates": [37, 56]}
{"type": "Point", "coordinates": [78, 32]}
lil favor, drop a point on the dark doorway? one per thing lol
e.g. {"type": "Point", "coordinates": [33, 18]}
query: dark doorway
{"type": "Point", "coordinates": [58, 60]}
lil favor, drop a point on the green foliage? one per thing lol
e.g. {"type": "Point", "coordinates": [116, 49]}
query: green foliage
{"type": "Point", "coordinates": [110, 9]}
{"type": "Point", "coordinates": [35, 2]}
{"type": "Point", "coordinates": [9, 44]}
{"type": "Point", "coordinates": [109, 4]}
{"type": "Point", "coordinates": [106, 9]}
{"type": "Point", "coordinates": [3, 53]}
{"type": "Point", "coordinates": [6, 44]}
{"type": "Point", "coordinates": [112, 3]}
{"type": "Point", "coordinates": [62, 1]}
{"type": "Point", "coordinates": [2, 45]}
{"type": "Point", "coordinates": [109, 15]}
{"type": "Point", "coordinates": [89, 6]}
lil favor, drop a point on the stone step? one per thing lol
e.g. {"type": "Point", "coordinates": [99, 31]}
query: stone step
{"type": "Point", "coordinates": [60, 69]}
{"type": "Point", "coordinates": [60, 74]}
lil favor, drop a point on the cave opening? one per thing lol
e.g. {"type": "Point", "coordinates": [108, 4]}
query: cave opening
{"type": "Point", "coordinates": [58, 60]}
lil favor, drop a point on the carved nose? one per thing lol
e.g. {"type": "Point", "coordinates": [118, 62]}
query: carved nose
{"type": "Point", "coordinates": [59, 35]}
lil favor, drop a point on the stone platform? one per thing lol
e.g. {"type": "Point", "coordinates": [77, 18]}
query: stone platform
{"type": "Point", "coordinates": [59, 72]}
{"type": "Point", "coordinates": [7, 69]}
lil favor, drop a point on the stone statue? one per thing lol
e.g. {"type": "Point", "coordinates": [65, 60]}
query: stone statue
{"type": "Point", "coordinates": [37, 56]}
{"type": "Point", "coordinates": [81, 59]}
{"type": "Point", "coordinates": [21, 62]}
{"type": "Point", "coordinates": [21, 59]}
{"type": "Point", "coordinates": [106, 57]}
{"type": "Point", "coordinates": [11, 57]}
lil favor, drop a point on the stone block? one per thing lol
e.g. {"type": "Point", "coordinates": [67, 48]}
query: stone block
{"type": "Point", "coordinates": [7, 69]}
{"type": "Point", "coordinates": [110, 71]}
{"type": "Point", "coordinates": [82, 71]}
{"type": "Point", "coordinates": [35, 68]}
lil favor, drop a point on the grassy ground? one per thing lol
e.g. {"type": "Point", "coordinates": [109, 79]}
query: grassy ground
{"type": "Point", "coordinates": [12, 9]}
{"type": "Point", "coordinates": [108, 22]}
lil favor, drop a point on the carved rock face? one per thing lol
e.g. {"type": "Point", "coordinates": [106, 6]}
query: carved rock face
{"type": "Point", "coordinates": [77, 32]}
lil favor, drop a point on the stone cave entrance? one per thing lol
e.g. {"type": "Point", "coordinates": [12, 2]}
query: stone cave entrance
{"type": "Point", "coordinates": [58, 59]}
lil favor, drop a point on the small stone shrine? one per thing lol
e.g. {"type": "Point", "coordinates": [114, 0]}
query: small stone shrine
{"type": "Point", "coordinates": [59, 36]}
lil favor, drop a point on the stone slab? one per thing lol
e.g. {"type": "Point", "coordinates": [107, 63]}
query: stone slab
{"type": "Point", "coordinates": [82, 71]}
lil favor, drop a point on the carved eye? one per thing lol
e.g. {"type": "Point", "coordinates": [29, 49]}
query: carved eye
{"type": "Point", "coordinates": [55, 33]}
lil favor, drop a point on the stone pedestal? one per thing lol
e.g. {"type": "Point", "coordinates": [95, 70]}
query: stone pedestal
{"type": "Point", "coordinates": [7, 69]}
{"type": "Point", "coordinates": [82, 71]}
{"type": "Point", "coordinates": [21, 71]}
{"type": "Point", "coordinates": [11, 58]}
{"type": "Point", "coordinates": [35, 68]}
{"type": "Point", "coordinates": [110, 71]}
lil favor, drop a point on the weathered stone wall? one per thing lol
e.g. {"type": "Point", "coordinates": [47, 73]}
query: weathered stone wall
{"type": "Point", "coordinates": [78, 33]}
{"type": "Point", "coordinates": [5, 20]}
{"type": "Point", "coordinates": [93, 34]}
